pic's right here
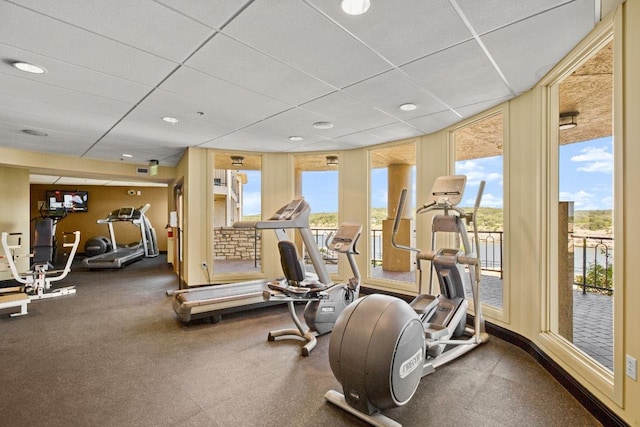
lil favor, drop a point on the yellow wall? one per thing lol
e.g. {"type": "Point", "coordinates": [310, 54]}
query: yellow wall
{"type": "Point", "coordinates": [102, 200]}
{"type": "Point", "coordinates": [195, 172]}
{"type": "Point", "coordinates": [14, 208]}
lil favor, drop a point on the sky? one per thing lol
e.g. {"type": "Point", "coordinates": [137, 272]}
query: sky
{"type": "Point", "coordinates": [585, 178]}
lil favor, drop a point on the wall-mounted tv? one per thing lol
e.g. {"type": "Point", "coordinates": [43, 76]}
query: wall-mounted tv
{"type": "Point", "coordinates": [66, 200]}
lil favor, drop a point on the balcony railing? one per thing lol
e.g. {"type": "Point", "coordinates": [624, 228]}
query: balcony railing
{"type": "Point", "coordinates": [593, 263]}
{"type": "Point", "coordinates": [593, 256]}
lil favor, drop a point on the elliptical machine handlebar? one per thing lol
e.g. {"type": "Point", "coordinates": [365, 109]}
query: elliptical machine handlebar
{"type": "Point", "coordinates": [396, 223]}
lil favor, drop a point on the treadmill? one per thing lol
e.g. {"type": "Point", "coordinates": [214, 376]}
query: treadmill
{"type": "Point", "coordinates": [214, 300]}
{"type": "Point", "coordinates": [121, 256]}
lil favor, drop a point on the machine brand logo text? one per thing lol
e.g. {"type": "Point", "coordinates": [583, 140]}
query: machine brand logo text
{"type": "Point", "coordinates": [411, 364]}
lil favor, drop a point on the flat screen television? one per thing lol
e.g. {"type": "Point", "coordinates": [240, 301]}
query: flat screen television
{"type": "Point", "coordinates": [67, 200]}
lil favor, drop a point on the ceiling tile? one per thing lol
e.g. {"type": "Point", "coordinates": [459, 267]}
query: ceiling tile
{"type": "Point", "coordinates": [55, 95]}
{"type": "Point", "coordinates": [300, 122]}
{"type": "Point", "coordinates": [213, 13]}
{"type": "Point", "coordinates": [325, 145]}
{"type": "Point", "coordinates": [526, 51]}
{"type": "Point", "coordinates": [73, 77]}
{"type": "Point", "coordinates": [347, 114]}
{"type": "Point", "coordinates": [53, 119]}
{"type": "Point", "coordinates": [204, 88]}
{"type": "Point", "coordinates": [218, 120]}
{"type": "Point", "coordinates": [296, 34]}
{"type": "Point", "coordinates": [55, 39]}
{"type": "Point", "coordinates": [112, 149]}
{"type": "Point", "coordinates": [459, 75]}
{"type": "Point", "coordinates": [58, 141]}
{"type": "Point", "coordinates": [234, 62]}
{"type": "Point", "coordinates": [483, 17]}
{"type": "Point", "coordinates": [473, 109]}
{"type": "Point", "coordinates": [402, 33]}
{"type": "Point", "coordinates": [433, 122]}
{"type": "Point", "coordinates": [143, 24]}
{"type": "Point", "coordinates": [389, 90]}
{"type": "Point", "coordinates": [273, 69]}
{"type": "Point", "coordinates": [248, 141]}
{"type": "Point", "coordinates": [395, 131]}
{"type": "Point", "coordinates": [146, 127]}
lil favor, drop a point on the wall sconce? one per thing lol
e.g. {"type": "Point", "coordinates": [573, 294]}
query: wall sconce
{"type": "Point", "coordinates": [568, 120]}
{"type": "Point", "coordinates": [332, 160]}
{"type": "Point", "coordinates": [237, 160]}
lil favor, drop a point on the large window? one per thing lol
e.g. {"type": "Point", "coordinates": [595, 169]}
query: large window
{"type": "Point", "coordinates": [478, 148]}
{"type": "Point", "coordinates": [392, 168]}
{"type": "Point", "coordinates": [237, 193]}
{"type": "Point", "coordinates": [317, 182]}
{"type": "Point", "coordinates": [583, 296]}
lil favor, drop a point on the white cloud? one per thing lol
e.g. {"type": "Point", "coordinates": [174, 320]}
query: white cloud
{"type": "Point", "coordinates": [488, 201]}
{"type": "Point", "coordinates": [604, 167]}
{"type": "Point", "coordinates": [595, 159]}
{"type": "Point", "coordinates": [475, 173]}
{"type": "Point", "coordinates": [581, 200]}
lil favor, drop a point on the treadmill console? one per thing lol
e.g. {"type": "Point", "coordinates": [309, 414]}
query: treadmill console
{"type": "Point", "coordinates": [288, 211]}
{"type": "Point", "coordinates": [125, 213]}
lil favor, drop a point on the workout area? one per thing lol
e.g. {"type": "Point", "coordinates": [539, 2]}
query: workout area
{"type": "Point", "coordinates": [121, 358]}
{"type": "Point", "coordinates": [319, 213]}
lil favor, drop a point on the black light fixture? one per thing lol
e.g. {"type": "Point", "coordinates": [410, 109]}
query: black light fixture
{"type": "Point", "coordinates": [237, 160]}
{"type": "Point", "coordinates": [332, 160]}
{"type": "Point", "coordinates": [568, 120]}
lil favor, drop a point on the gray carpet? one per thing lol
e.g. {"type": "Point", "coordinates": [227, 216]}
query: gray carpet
{"type": "Point", "coordinates": [114, 354]}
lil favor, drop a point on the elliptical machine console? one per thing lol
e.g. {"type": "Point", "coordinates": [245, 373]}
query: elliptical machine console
{"type": "Point", "coordinates": [381, 346]}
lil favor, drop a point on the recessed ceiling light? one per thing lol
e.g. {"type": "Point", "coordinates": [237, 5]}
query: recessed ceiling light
{"type": "Point", "coordinates": [323, 125]}
{"type": "Point", "coordinates": [29, 68]}
{"type": "Point", "coordinates": [127, 155]}
{"type": "Point", "coordinates": [355, 7]}
{"type": "Point", "coordinates": [170, 119]}
{"type": "Point", "coordinates": [295, 138]}
{"type": "Point", "coordinates": [408, 107]}
{"type": "Point", "coordinates": [34, 132]}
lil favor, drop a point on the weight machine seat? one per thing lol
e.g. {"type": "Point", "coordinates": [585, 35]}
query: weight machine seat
{"type": "Point", "coordinates": [295, 275]}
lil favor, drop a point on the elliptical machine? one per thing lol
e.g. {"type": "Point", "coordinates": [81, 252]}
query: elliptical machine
{"type": "Point", "coordinates": [381, 346]}
{"type": "Point", "coordinates": [325, 302]}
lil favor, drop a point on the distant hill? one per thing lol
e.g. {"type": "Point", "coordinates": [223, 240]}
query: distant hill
{"type": "Point", "coordinates": [489, 219]}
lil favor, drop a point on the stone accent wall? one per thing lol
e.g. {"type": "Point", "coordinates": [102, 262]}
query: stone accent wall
{"type": "Point", "coordinates": [236, 243]}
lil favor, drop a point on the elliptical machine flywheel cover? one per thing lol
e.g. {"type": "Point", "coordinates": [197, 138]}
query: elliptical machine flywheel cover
{"type": "Point", "coordinates": [97, 245]}
{"type": "Point", "coordinates": [376, 352]}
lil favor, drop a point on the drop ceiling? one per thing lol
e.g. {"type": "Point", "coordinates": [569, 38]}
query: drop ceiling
{"type": "Point", "coordinates": [247, 75]}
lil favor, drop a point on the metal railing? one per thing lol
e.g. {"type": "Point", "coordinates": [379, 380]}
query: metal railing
{"type": "Point", "coordinates": [491, 248]}
{"type": "Point", "coordinates": [593, 259]}
{"type": "Point", "coordinates": [596, 263]}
